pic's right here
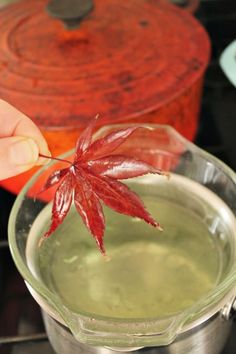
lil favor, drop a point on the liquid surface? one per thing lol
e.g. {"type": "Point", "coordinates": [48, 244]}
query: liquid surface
{"type": "Point", "coordinates": [149, 273]}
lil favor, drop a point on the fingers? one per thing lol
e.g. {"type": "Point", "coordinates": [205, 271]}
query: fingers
{"type": "Point", "coordinates": [15, 123]}
{"type": "Point", "coordinates": [18, 154]}
{"type": "Point", "coordinates": [20, 142]}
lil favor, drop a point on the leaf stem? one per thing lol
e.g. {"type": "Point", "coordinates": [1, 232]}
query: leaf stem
{"type": "Point", "coordinates": [55, 158]}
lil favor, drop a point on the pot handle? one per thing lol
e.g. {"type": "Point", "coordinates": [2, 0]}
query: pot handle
{"type": "Point", "coordinates": [228, 312]}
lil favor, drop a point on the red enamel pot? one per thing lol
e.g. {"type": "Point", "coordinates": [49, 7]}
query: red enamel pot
{"type": "Point", "coordinates": [130, 61]}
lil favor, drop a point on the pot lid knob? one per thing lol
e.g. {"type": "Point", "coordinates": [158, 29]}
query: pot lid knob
{"type": "Point", "coordinates": [71, 12]}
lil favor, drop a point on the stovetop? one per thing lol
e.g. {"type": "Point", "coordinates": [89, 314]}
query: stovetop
{"type": "Point", "coordinates": [21, 327]}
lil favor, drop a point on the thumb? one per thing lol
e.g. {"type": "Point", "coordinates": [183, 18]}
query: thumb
{"type": "Point", "coordinates": [17, 154]}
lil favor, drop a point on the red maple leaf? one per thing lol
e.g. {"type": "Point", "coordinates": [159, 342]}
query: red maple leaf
{"type": "Point", "coordinates": [93, 177]}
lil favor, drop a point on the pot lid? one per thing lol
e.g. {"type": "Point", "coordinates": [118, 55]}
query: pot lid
{"type": "Point", "coordinates": [125, 59]}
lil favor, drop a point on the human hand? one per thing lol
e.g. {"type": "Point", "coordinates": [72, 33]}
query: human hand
{"type": "Point", "coordinates": [20, 142]}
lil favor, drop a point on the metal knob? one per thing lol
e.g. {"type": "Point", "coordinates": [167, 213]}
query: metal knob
{"type": "Point", "coordinates": [71, 12]}
{"type": "Point", "coordinates": [180, 2]}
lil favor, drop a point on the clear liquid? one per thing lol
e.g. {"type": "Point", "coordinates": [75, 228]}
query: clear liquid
{"type": "Point", "coordinates": [149, 273]}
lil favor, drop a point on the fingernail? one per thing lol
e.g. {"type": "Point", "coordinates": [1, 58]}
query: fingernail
{"type": "Point", "coordinates": [24, 152]}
